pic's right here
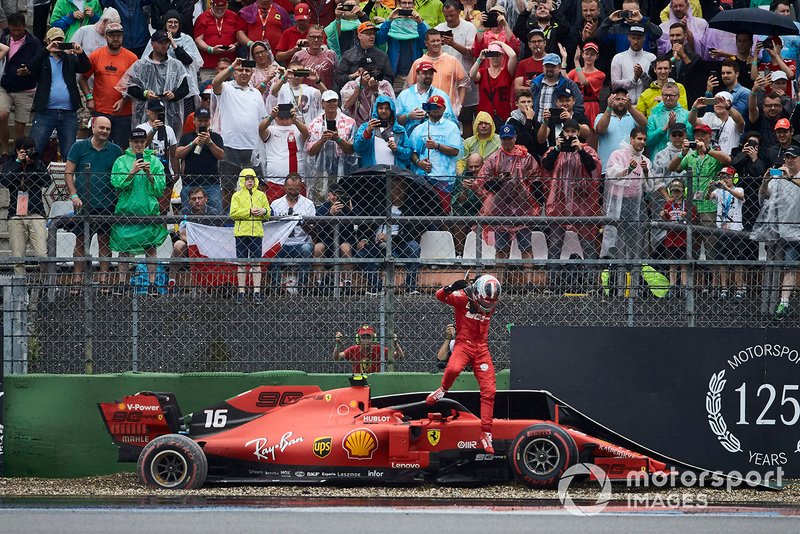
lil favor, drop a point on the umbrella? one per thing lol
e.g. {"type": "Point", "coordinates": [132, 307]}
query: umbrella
{"type": "Point", "coordinates": [754, 21]}
{"type": "Point", "coordinates": [367, 188]}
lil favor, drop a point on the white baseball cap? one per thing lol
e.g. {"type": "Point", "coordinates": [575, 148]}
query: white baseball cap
{"type": "Point", "coordinates": [724, 94]}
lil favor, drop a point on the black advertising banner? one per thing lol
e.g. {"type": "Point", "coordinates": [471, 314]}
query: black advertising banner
{"type": "Point", "coordinates": [720, 398]}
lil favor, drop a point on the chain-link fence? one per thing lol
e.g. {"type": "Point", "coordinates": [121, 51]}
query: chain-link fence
{"type": "Point", "coordinates": [123, 287]}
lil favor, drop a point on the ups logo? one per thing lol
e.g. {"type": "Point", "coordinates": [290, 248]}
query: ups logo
{"type": "Point", "coordinates": [322, 447]}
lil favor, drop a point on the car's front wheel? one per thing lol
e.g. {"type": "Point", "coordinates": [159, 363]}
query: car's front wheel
{"type": "Point", "coordinates": [541, 453]}
{"type": "Point", "coordinates": [172, 461]}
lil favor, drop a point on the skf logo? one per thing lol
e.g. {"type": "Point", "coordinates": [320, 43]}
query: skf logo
{"type": "Point", "coordinates": [322, 447]}
{"type": "Point", "coordinates": [360, 444]}
{"type": "Point", "coordinates": [433, 437]}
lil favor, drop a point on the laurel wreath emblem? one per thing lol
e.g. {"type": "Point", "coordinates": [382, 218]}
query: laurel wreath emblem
{"type": "Point", "coordinates": [715, 419]}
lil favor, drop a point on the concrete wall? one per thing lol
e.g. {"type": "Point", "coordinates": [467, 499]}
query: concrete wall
{"type": "Point", "coordinates": [54, 429]}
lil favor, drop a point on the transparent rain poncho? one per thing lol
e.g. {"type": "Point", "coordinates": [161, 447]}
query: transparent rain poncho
{"type": "Point", "coordinates": [160, 78]}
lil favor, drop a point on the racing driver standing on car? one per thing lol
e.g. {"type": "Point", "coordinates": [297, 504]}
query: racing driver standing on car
{"type": "Point", "coordinates": [474, 305]}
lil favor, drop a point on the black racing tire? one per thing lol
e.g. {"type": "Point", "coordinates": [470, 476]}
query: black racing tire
{"type": "Point", "coordinates": [172, 461]}
{"type": "Point", "coordinates": [540, 454]}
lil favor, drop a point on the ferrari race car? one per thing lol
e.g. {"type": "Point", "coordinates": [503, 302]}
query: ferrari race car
{"type": "Point", "coordinates": [301, 434]}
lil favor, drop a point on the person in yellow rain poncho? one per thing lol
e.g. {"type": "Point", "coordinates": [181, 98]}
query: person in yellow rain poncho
{"type": "Point", "coordinates": [485, 141]}
{"type": "Point", "coordinates": [138, 177]}
{"type": "Point", "coordinates": [249, 208]}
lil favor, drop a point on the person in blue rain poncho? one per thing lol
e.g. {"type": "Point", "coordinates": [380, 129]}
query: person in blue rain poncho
{"type": "Point", "coordinates": [437, 146]}
{"type": "Point", "coordinates": [382, 139]}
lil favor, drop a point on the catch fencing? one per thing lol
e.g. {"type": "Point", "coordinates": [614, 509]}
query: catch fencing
{"type": "Point", "coordinates": [181, 306]}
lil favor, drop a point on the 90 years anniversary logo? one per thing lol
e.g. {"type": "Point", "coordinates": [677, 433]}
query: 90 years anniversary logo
{"type": "Point", "coordinates": [754, 409]}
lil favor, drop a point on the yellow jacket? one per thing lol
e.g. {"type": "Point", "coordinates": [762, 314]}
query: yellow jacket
{"type": "Point", "coordinates": [651, 97]}
{"type": "Point", "coordinates": [241, 203]}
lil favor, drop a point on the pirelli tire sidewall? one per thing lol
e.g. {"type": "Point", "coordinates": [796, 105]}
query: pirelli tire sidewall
{"type": "Point", "coordinates": [544, 434]}
{"type": "Point", "coordinates": [173, 449]}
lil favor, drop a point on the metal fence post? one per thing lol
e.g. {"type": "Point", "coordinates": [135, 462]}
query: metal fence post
{"type": "Point", "coordinates": [690, 288]}
{"type": "Point", "coordinates": [88, 296]}
{"type": "Point", "coordinates": [15, 325]}
{"type": "Point", "coordinates": [135, 332]}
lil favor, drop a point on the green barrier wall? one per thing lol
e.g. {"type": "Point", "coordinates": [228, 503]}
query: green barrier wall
{"type": "Point", "coordinates": [53, 426]}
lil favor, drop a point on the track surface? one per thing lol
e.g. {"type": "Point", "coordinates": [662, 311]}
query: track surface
{"type": "Point", "coordinates": [178, 516]}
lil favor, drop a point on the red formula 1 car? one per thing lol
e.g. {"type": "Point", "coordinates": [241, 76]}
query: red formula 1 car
{"type": "Point", "coordinates": [303, 434]}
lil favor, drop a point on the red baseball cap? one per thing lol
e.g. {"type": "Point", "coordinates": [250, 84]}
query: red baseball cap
{"type": "Point", "coordinates": [592, 46]}
{"type": "Point", "coordinates": [365, 329]}
{"type": "Point", "coordinates": [302, 12]}
{"type": "Point", "coordinates": [703, 128]}
{"type": "Point", "coordinates": [783, 124]}
{"type": "Point", "coordinates": [438, 100]}
{"type": "Point", "coordinates": [219, 3]}
{"type": "Point", "coordinates": [425, 65]}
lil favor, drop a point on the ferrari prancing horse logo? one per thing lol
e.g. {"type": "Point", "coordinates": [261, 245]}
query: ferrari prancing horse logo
{"type": "Point", "coordinates": [433, 437]}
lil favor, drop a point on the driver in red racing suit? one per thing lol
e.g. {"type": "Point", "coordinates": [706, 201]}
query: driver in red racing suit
{"type": "Point", "coordinates": [473, 305]}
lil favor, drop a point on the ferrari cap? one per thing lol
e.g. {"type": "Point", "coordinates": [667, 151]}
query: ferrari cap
{"type": "Point", "coordinates": [365, 329]}
{"type": "Point", "coordinates": [727, 170]}
{"type": "Point", "coordinates": [425, 65]}
{"type": "Point", "coordinates": [783, 124]}
{"type": "Point", "coordinates": [302, 12]}
{"type": "Point", "coordinates": [438, 100]}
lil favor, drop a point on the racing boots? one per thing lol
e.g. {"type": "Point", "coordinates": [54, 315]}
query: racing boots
{"type": "Point", "coordinates": [436, 396]}
{"type": "Point", "coordinates": [486, 443]}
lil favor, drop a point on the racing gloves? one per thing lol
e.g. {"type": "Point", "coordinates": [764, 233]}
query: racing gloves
{"type": "Point", "coordinates": [455, 286]}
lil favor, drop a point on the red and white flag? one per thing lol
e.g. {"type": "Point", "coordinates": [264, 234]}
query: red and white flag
{"type": "Point", "coordinates": [218, 241]}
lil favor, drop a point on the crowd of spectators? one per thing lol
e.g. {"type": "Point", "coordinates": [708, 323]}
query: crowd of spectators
{"type": "Point", "coordinates": [502, 107]}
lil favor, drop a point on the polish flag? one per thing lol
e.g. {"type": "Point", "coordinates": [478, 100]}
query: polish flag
{"type": "Point", "coordinates": [218, 242]}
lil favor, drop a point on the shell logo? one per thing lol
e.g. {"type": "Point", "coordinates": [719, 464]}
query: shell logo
{"type": "Point", "coordinates": [360, 444]}
{"type": "Point", "coordinates": [121, 406]}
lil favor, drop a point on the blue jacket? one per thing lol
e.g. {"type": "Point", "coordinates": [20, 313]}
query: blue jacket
{"type": "Point", "coordinates": [393, 48]}
{"type": "Point", "coordinates": [536, 90]}
{"type": "Point", "coordinates": [133, 19]}
{"type": "Point", "coordinates": [365, 148]}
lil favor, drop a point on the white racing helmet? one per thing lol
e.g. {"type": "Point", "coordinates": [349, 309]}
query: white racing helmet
{"type": "Point", "coordinates": [486, 292]}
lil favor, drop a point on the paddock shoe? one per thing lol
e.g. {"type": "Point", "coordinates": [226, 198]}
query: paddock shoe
{"type": "Point", "coordinates": [435, 397]}
{"type": "Point", "coordinates": [486, 443]}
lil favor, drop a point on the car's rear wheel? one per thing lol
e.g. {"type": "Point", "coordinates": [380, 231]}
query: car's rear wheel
{"type": "Point", "coordinates": [172, 461]}
{"type": "Point", "coordinates": [541, 453]}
